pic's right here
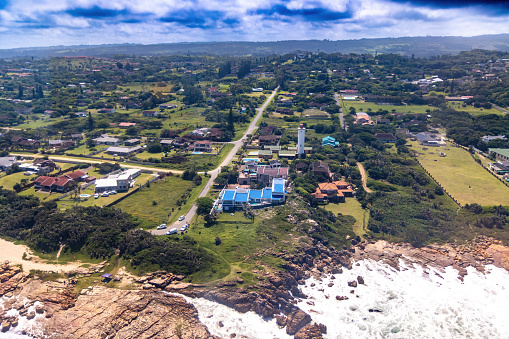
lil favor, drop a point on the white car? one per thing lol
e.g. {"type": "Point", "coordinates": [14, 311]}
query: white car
{"type": "Point", "coordinates": [162, 226]}
{"type": "Point", "coordinates": [183, 228]}
{"type": "Point", "coordinates": [96, 195]}
{"type": "Point", "coordinates": [181, 218]}
{"type": "Point", "coordinates": [113, 192]}
{"type": "Point", "coordinates": [172, 231]}
{"type": "Point", "coordinates": [105, 194]}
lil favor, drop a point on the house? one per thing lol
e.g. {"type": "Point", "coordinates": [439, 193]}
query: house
{"type": "Point", "coordinates": [328, 192]}
{"type": "Point", "coordinates": [488, 138]}
{"type": "Point", "coordinates": [259, 89]}
{"type": "Point", "coordinates": [201, 132]}
{"type": "Point", "coordinates": [266, 174]}
{"type": "Point", "coordinates": [61, 143]}
{"type": "Point", "coordinates": [132, 142]}
{"type": "Point", "coordinates": [429, 139]}
{"type": "Point", "coordinates": [123, 151]}
{"type": "Point", "coordinates": [385, 137]}
{"type": "Point", "coordinates": [167, 106]}
{"type": "Point", "coordinates": [232, 199]}
{"type": "Point", "coordinates": [301, 167]}
{"type": "Point", "coordinates": [362, 118]}
{"type": "Point", "coordinates": [265, 154]}
{"type": "Point", "coordinates": [267, 130]}
{"type": "Point", "coordinates": [383, 121]}
{"type": "Point", "coordinates": [166, 142]}
{"type": "Point", "coordinates": [117, 182]}
{"type": "Point", "coordinates": [105, 139]}
{"type": "Point", "coordinates": [501, 154]}
{"type": "Point", "coordinates": [126, 124]}
{"type": "Point", "coordinates": [23, 110]}
{"type": "Point", "coordinates": [275, 164]}
{"type": "Point", "coordinates": [26, 143]}
{"type": "Point", "coordinates": [320, 167]}
{"type": "Point", "coordinates": [329, 141]}
{"type": "Point", "coordinates": [500, 168]}
{"type": "Point", "coordinates": [202, 146]}
{"type": "Point", "coordinates": [81, 114]}
{"type": "Point", "coordinates": [77, 136]}
{"type": "Point", "coordinates": [344, 188]}
{"type": "Point", "coordinates": [285, 103]}
{"type": "Point", "coordinates": [7, 162]}
{"type": "Point", "coordinates": [44, 166]}
{"type": "Point", "coordinates": [268, 139]}
{"type": "Point", "coordinates": [215, 134]}
{"type": "Point", "coordinates": [107, 110]}
{"type": "Point", "coordinates": [59, 184]}
{"type": "Point", "coordinates": [149, 113]}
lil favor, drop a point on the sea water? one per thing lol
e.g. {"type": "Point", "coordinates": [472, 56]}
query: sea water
{"type": "Point", "coordinates": [413, 302]}
{"type": "Point", "coordinates": [31, 327]}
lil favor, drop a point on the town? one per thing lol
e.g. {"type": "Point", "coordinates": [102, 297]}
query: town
{"type": "Point", "coordinates": [194, 157]}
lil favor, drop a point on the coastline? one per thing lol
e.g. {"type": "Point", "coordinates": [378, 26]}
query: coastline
{"type": "Point", "coordinates": [286, 296]}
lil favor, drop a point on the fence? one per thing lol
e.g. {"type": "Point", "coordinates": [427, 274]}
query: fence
{"type": "Point", "coordinates": [435, 180]}
{"type": "Point", "coordinates": [131, 193]}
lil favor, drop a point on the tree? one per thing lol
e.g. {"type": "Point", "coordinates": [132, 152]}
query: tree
{"type": "Point", "coordinates": [231, 126]}
{"type": "Point", "coordinates": [20, 92]}
{"type": "Point", "coordinates": [90, 121]}
{"type": "Point", "coordinates": [204, 205]}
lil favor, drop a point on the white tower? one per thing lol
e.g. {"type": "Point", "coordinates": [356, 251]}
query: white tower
{"type": "Point", "coordinates": [301, 140]}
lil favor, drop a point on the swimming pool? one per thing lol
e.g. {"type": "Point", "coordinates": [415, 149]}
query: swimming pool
{"type": "Point", "coordinates": [84, 195]}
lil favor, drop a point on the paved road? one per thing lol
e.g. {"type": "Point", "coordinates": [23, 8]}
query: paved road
{"type": "Point", "coordinates": [341, 117]}
{"type": "Point", "coordinates": [213, 174]}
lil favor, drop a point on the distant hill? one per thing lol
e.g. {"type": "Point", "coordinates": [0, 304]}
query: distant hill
{"type": "Point", "coordinates": [418, 46]}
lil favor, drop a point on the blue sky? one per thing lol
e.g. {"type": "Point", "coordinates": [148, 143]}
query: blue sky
{"type": "Point", "coordinates": [30, 23]}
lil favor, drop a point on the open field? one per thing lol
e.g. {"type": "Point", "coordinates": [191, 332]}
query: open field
{"type": "Point", "coordinates": [201, 162]}
{"type": "Point", "coordinates": [165, 194]}
{"type": "Point", "coordinates": [462, 177]}
{"type": "Point", "coordinates": [365, 106]}
{"type": "Point", "coordinates": [8, 181]}
{"type": "Point", "coordinates": [351, 207]}
{"type": "Point", "coordinates": [472, 110]}
{"type": "Point", "coordinates": [42, 121]}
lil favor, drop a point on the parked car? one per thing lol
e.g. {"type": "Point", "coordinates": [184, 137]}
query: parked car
{"type": "Point", "coordinates": [183, 228]}
{"type": "Point", "coordinates": [181, 218]}
{"type": "Point", "coordinates": [96, 195]}
{"type": "Point", "coordinates": [105, 194]}
{"type": "Point", "coordinates": [113, 192]}
{"type": "Point", "coordinates": [162, 226]}
{"type": "Point", "coordinates": [172, 231]}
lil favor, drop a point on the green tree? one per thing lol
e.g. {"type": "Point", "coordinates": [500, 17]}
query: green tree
{"type": "Point", "coordinates": [204, 205]}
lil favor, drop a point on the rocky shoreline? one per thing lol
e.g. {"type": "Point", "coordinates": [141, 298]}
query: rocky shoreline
{"type": "Point", "coordinates": [146, 312]}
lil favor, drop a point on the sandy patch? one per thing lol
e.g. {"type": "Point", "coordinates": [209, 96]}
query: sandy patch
{"type": "Point", "coordinates": [14, 254]}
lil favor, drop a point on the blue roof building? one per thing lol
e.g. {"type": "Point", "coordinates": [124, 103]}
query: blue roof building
{"type": "Point", "coordinates": [231, 199]}
{"type": "Point", "coordinates": [329, 141]}
{"type": "Point", "coordinates": [255, 196]}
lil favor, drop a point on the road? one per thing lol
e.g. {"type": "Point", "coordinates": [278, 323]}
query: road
{"type": "Point", "coordinates": [364, 177]}
{"type": "Point", "coordinates": [341, 117]}
{"type": "Point", "coordinates": [213, 174]}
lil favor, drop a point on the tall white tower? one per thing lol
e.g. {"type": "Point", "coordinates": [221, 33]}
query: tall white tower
{"type": "Point", "coordinates": [301, 140]}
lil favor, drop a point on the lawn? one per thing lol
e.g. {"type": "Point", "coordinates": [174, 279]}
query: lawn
{"type": "Point", "coordinates": [361, 106]}
{"type": "Point", "coordinates": [200, 162]}
{"type": "Point", "coordinates": [165, 194]}
{"type": "Point", "coordinates": [42, 121]}
{"type": "Point", "coordinates": [101, 201]}
{"type": "Point", "coordinates": [462, 177]}
{"type": "Point", "coordinates": [351, 207]}
{"type": "Point", "coordinates": [473, 110]}
{"type": "Point", "coordinates": [8, 181]}
{"type": "Point", "coordinates": [84, 150]}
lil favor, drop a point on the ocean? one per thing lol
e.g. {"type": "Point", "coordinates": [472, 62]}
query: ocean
{"type": "Point", "coordinates": [413, 302]}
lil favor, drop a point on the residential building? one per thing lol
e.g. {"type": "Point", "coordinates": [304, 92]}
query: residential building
{"type": "Point", "coordinates": [320, 167]}
{"type": "Point", "coordinates": [488, 138]}
{"type": "Point", "coordinates": [329, 141]}
{"type": "Point", "coordinates": [429, 139]}
{"type": "Point", "coordinates": [266, 174]}
{"type": "Point", "coordinates": [59, 184]}
{"type": "Point", "coordinates": [117, 182]}
{"type": "Point", "coordinates": [200, 131]}
{"type": "Point", "coordinates": [501, 154]}
{"type": "Point", "coordinates": [232, 199]}
{"type": "Point", "coordinates": [202, 146]}
{"type": "Point", "coordinates": [385, 137]}
{"type": "Point", "coordinates": [268, 139]}
{"type": "Point", "coordinates": [362, 118]}
{"type": "Point", "coordinates": [7, 162]}
{"type": "Point", "coordinates": [107, 110]}
{"type": "Point", "coordinates": [105, 139]}
{"type": "Point", "coordinates": [500, 168]}
{"type": "Point", "coordinates": [149, 113]}
{"type": "Point", "coordinates": [61, 143]}
{"type": "Point", "coordinates": [123, 151]}
{"type": "Point", "coordinates": [383, 121]}
{"type": "Point", "coordinates": [126, 124]}
{"type": "Point", "coordinates": [23, 110]}
{"type": "Point", "coordinates": [132, 142]}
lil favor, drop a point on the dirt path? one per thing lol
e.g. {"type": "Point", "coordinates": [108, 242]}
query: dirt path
{"type": "Point", "coordinates": [363, 174]}
{"type": "Point", "coordinates": [14, 254]}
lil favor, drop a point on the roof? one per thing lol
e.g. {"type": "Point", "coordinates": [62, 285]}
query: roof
{"type": "Point", "coordinates": [132, 140]}
{"type": "Point", "coordinates": [76, 174]}
{"type": "Point", "coordinates": [104, 183]}
{"type": "Point", "coordinates": [501, 151]}
{"type": "Point", "coordinates": [327, 186]}
{"type": "Point", "coordinates": [48, 181]}
{"type": "Point", "coordinates": [255, 194]}
{"type": "Point", "coordinates": [241, 197]}
{"type": "Point", "coordinates": [106, 138]}
{"type": "Point", "coordinates": [264, 152]}
{"type": "Point", "coordinates": [278, 186]}
{"type": "Point", "coordinates": [41, 179]}
{"type": "Point", "coordinates": [61, 181]}
{"type": "Point", "coordinates": [229, 195]}
{"type": "Point", "coordinates": [267, 193]}
{"type": "Point", "coordinates": [166, 142]}
{"type": "Point", "coordinates": [126, 124]}
{"type": "Point", "coordinates": [283, 153]}
{"type": "Point", "coordinates": [340, 183]}
{"type": "Point", "coordinates": [7, 161]}
{"type": "Point", "coordinates": [385, 136]}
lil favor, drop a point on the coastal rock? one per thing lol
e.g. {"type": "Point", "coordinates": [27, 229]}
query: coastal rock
{"type": "Point", "coordinates": [352, 283]}
{"type": "Point", "coordinates": [310, 331]}
{"type": "Point", "coordinates": [296, 320]}
{"type": "Point", "coordinates": [360, 280]}
{"type": "Point", "coordinates": [112, 313]}
{"type": "Point", "coordinates": [281, 320]}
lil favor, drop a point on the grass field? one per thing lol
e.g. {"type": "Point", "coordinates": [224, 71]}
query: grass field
{"type": "Point", "coordinates": [472, 110]}
{"type": "Point", "coordinates": [351, 207]}
{"type": "Point", "coordinates": [462, 177]}
{"type": "Point", "coordinates": [8, 181]}
{"type": "Point", "coordinates": [201, 162]}
{"type": "Point", "coordinates": [42, 121]}
{"type": "Point", "coordinates": [365, 106]}
{"type": "Point", "coordinates": [165, 193]}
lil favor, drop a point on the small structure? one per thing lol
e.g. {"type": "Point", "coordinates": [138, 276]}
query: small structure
{"type": "Point", "coordinates": [301, 140]}
{"type": "Point", "coordinates": [7, 162]}
{"type": "Point", "coordinates": [320, 167]}
{"type": "Point", "coordinates": [149, 113]}
{"type": "Point", "coordinates": [123, 151]}
{"type": "Point", "coordinates": [105, 139]}
{"type": "Point", "coordinates": [500, 153]}
{"type": "Point", "coordinates": [132, 142]}
{"type": "Point", "coordinates": [202, 146]}
{"type": "Point", "coordinates": [488, 138]}
{"type": "Point", "coordinates": [329, 141]}
{"type": "Point", "coordinates": [385, 137]}
{"type": "Point", "coordinates": [362, 118]}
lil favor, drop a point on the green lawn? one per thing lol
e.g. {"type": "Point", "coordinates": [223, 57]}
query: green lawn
{"type": "Point", "coordinates": [84, 150]}
{"type": "Point", "coordinates": [351, 207]}
{"type": "Point", "coordinates": [462, 177]}
{"type": "Point", "coordinates": [8, 181]}
{"type": "Point", "coordinates": [165, 193]}
{"type": "Point", "coordinates": [472, 110]}
{"type": "Point", "coordinates": [364, 106]}
{"type": "Point", "coordinates": [42, 121]}
{"type": "Point", "coordinates": [201, 162]}
{"type": "Point", "coordinates": [68, 202]}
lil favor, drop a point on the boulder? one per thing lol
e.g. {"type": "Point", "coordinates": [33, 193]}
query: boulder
{"type": "Point", "coordinates": [297, 320]}
{"type": "Point", "coordinates": [310, 331]}
{"type": "Point", "coordinates": [352, 283]}
{"type": "Point", "coordinates": [281, 320]}
{"type": "Point", "coordinates": [360, 280]}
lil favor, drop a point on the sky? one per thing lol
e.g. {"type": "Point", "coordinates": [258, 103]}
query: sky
{"type": "Point", "coordinates": [34, 23]}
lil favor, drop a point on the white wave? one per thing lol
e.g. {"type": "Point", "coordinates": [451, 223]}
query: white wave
{"type": "Point", "coordinates": [31, 328]}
